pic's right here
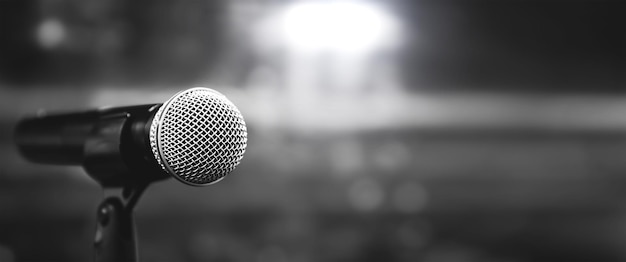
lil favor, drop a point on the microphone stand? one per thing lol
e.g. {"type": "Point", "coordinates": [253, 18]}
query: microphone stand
{"type": "Point", "coordinates": [115, 239]}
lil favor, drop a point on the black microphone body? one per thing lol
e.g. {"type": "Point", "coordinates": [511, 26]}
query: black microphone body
{"type": "Point", "coordinates": [197, 136]}
{"type": "Point", "coordinates": [112, 144]}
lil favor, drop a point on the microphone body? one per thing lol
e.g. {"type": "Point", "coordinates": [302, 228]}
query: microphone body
{"type": "Point", "coordinates": [197, 136]}
{"type": "Point", "coordinates": [112, 144]}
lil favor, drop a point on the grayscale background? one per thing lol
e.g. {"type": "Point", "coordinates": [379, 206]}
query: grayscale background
{"type": "Point", "coordinates": [397, 130]}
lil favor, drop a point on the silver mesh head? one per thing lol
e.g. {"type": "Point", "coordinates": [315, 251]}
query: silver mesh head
{"type": "Point", "coordinates": [198, 136]}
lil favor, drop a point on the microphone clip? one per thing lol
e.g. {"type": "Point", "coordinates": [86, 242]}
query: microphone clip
{"type": "Point", "coordinates": [115, 238]}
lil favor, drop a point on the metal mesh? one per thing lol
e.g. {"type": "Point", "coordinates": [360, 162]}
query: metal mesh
{"type": "Point", "coordinates": [198, 136]}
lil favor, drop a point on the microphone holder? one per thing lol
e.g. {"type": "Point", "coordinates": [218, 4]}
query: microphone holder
{"type": "Point", "coordinates": [107, 154]}
{"type": "Point", "coordinates": [115, 239]}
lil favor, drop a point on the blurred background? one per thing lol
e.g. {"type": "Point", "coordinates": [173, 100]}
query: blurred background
{"type": "Point", "coordinates": [390, 130]}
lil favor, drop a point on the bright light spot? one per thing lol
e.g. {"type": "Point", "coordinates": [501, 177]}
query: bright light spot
{"type": "Point", "coordinates": [365, 194]}
{"type": "Point", "coordinates": [410, 197]}
{"type": "Point", "coordinates": [345, 26]}
{"type": "Point", "coordinates": [50, 33]}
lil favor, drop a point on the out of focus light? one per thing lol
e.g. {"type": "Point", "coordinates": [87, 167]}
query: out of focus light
{"type": "Point", "coordinates": [366, 194]}
{"type": "Point", "coordinates": [392, 156]}
{"type": "Point", "coordinates": [6, 254]}
{"type": "Point", "coordinates": [50, 33]}
{"type": "Point", "coordinates": [347, 157]}
{"type": "Point", "coordinates": [409, 197]}
{"type": "Point", "coordinates": [344, 26]}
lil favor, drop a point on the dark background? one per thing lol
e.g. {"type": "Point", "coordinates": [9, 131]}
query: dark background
{"type": "Point", "coordinates": [477, 131]}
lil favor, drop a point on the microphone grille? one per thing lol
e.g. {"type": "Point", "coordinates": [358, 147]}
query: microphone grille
{"type": "Point", "coordinates": [198, 136]}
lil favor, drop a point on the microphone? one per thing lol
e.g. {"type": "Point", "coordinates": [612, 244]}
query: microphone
{"type": "Point", "coordinates": [197, 136]}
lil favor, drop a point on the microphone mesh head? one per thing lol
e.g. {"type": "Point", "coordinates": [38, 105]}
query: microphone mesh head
{"type": "Point", "coordinates": [198, 136]}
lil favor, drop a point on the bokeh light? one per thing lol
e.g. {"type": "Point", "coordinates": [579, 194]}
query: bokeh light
{"type": "Point", "coordinates": [51, 33]}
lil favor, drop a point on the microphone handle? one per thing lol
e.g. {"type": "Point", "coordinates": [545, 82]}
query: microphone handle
{"type": "Point", "coordinates": [56, 139]}
{"type": "Point", "coordinates": [61, 138]}
{"type": "Point", "coordinates": [111, 144]}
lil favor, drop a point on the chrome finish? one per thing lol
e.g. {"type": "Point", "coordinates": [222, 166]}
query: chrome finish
{"type": "Point", "coordinates": [198, 136]}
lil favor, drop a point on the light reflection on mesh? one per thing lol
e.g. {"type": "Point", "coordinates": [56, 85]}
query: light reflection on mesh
{"type": "Point", "coordinates": [198, 136]}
